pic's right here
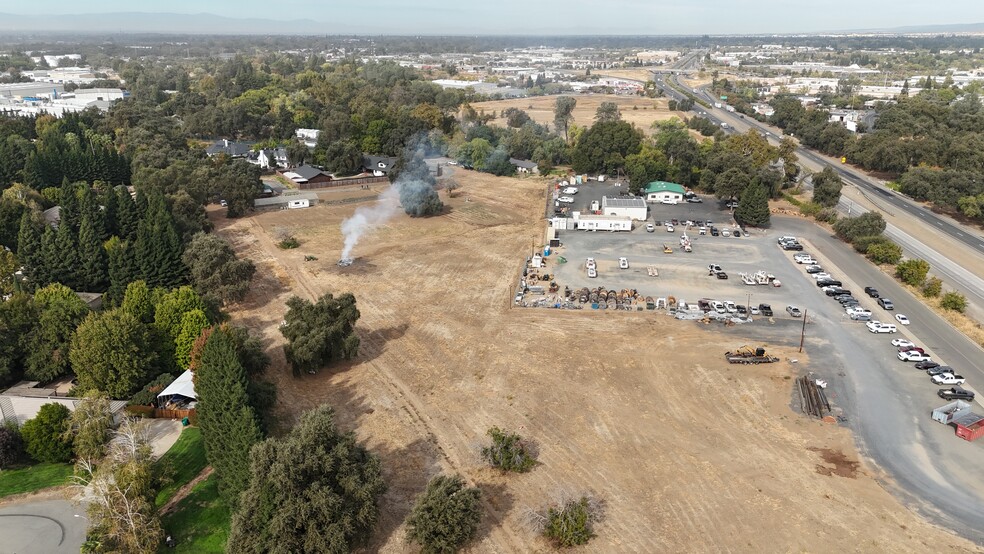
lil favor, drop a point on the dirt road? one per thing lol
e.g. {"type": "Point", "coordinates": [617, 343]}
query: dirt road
{"type": "Point", "coordinates": [688, 453]}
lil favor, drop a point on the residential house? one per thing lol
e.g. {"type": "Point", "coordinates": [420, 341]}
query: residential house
{"type": "Point", "coordinates": [22, 402]}
{"type": "Point", "coordinates": [230, 148]}
{"type": "Point", "coordinates": [379, 166]}
{"type": "Point", "coordinates": [307, 176]}
{"type": "Point", "coordinates": [525, 166]}
{"type": "Point", "coordinates": [308, 136]}
{"type": "Point", "coordinates": [662, 191]}
{"type": "Point", "coordinates": [269, 158]}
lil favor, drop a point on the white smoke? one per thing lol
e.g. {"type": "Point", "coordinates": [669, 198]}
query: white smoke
{"type": "Point", "coordinates": [367, 217]}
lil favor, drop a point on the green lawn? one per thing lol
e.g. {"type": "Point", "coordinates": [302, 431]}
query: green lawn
{"type": "Point", "coordinates": [33, 478]}
{"type": "Point", "coordinates": [200, 522]}
{"type": "Point", "coordinates": [186, 458]}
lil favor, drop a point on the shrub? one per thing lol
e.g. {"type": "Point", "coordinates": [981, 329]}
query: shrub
{"type": "Point", "coordinates": [912, 272]}
{"type": "Point", "coordinates": [954, 301]}
{"type": "Point", "coordinates": [11, 446]}
{"type": "Point", "coordinates": [862, 244]}
{"type": "Point", "coordinates": [445, 516]}
{"type": "Point", "coordinates": [570, 525]}
{"type": "Point", "coordinates": [508, 452]}
{"type": "Point", "coordinates": [827, 215]}
{"type": "Point", "coordinates": [44, 436]}
{"type": "Point", "coordinates": [288, 243]}
{"type": "Point", "coordinates": [886, 252]}
{"type": "Point", "coordinates": [933, 287]}
{"type": "Point", "coordinates": [148, 395]}
{"type": "Point", "coordinates": [865, 225]}
{"type": "Point", "coordinates": [810, 209]}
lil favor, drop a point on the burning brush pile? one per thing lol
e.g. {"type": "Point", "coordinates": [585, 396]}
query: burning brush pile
{"type": "Point", "coordinates": [345, 262]}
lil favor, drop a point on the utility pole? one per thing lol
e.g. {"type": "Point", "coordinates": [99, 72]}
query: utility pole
{"type": "Point", "coordinates": [803, 332]}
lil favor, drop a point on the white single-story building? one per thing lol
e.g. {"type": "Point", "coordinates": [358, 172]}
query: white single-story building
{"type": "Point", "coordinates": [633, 208]}
{"type": "Point", "coordinates": [602, 222]}
{"type": "Point", "coordinates": [660, 191]}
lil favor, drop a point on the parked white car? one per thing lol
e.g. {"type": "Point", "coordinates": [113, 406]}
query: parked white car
{"type": "Point", "coordinates": [590, 263]}
{"type": "Point", "coordinates": [903, 343]}
{"type": "Point", "coordinates": [718, 307]}
{"type": "Point", "coordinates": [807, 260]}
{"type": "Point", "coordinates": [650, 228]}
{"type": "Point", "coordinates": [914, 356]}
{"type": "Point", "coordinates": [822, 275]}
{"type": "Point", "coordinates": [623, 263]}
{"type": "Point", "coordinates": [592, 272]}
{"type": "Point", "coordinates": [570, 190]}
{"type": "Point", "coordinates": [949, 379]}
{"type": "Point", "coordinates": [566, 200]}
{"type": "Point", "coordinates": [730, 306]}
{"type": "Point", "coordinates": [669, 201]}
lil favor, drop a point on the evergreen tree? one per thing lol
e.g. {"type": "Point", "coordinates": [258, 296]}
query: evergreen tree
{"type": "Point", "coordinates": [753, 208]}
{"type": "Point", "coordinates": [94, 269]}
{"type": "Point", "coordinates": [192, 325]}
{"type": "Point", "coordinates": [70, 210]}
{"type": "Point", "coordinates": [122, 269]}
{"type": "Point", "coordinates": [229, 425]}
{"type": "Point", "coordinates": [128, 215]}
{"type": "Point", "coordinates": [29, 250]}
{"type": "Point", "coordinates": [45, 271]}
{"type": "Point", "coordinates": [314, 490]}
{"type": "Point", "coordinates": [158, 247]}
{"type": "Point", "coordinates": [110, 204]}
{"type": "Point", "coordinates": [65, 264]}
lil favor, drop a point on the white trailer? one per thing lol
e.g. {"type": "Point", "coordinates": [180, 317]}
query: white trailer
{"type": "Point", "coordinates": [301, 203]}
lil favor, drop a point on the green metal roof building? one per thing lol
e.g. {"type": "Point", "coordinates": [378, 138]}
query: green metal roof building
{"type": "Point", "coordinates": [663, 186]}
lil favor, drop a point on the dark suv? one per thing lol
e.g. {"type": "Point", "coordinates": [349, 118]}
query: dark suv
{"type": "Point", "coordinates": [871, 291]}
{"type": "Point", "coordinates": [765, 310]}
{"type": "Point", "coordinates": [792, 246]}
{"type": "Point", "coordinates": [956, 393]}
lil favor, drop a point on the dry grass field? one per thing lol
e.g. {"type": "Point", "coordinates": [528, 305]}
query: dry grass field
{"type": "Point", "coordinates": [639, 111]}
{"type": "Point", "coordinates": [687, 453]}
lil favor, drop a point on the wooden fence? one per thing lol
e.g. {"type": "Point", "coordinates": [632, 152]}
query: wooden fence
{"type": "Point", "coordinates": [343, 182]}
{"type": "Point", "coordinates": [159, 413]}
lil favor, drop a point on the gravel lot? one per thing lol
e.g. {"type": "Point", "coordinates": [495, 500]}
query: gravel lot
{"type": "Point", "coordinates": [682, 275]}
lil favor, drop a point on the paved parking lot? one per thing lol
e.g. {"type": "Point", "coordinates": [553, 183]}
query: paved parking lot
{"type": "Point", "coordinates": [49, 526]}
{"type": "Point", "coordinates": [682, 275]}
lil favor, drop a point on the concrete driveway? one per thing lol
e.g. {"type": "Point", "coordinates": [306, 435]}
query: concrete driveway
{"type": "Point", "coordinates": [163, 433]}
{"type": "Point", "coordinates": [47, 526]}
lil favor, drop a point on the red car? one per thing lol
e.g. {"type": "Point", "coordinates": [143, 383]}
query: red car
{"type": "Point", "coordinates": [911, 349]}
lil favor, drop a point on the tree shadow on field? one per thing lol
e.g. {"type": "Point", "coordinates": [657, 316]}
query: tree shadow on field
{"type": "Point", "coordinates": [373, 343]}
{"type": "Point", "coordinates": [495, 495]}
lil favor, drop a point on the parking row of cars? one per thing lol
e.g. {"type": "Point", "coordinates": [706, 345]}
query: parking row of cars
{"type": "Point", "coordinates": [907, 351]}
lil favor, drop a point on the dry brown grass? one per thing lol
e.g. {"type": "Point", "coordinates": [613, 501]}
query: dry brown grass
{"type": "Point", "coordinates": [641, 112]}
{"type": "Point", "coordinates": [713, 462]}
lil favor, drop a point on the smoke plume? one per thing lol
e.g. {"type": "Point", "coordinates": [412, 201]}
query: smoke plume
{"type": "Point", "coordinates": [367, 217]}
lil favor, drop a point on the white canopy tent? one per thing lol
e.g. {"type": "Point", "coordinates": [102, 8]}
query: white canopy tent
{"type": "Point", "coordinates": [183, 387]}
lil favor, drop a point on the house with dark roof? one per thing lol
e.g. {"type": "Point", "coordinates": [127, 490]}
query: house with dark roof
{"type": "Point", "coordinates": [230, 148]}
{"type": "Point", "coordinates": [524, 166]}
{"type": "Point", "coordinates": [379, 166]}
{"type": "Point", "coordinates": [307, 176]}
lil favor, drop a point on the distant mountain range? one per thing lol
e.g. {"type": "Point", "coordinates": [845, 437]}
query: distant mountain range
{"type": "Point", "coordinates": [951, 28]}
{"type": "Point", "coordinates": [211, 24]}
{"type": "Point", "coordinates": [142, 22]}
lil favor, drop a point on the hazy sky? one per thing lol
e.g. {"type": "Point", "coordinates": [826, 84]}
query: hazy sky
{"type": "Point", "coordinates": [557, 16]}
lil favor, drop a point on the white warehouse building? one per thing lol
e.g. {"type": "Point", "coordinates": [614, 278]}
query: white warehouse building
{"type": "Point", "coordinates": [633, 208]}
{"type": "Point", "coordinates": [602, 222]}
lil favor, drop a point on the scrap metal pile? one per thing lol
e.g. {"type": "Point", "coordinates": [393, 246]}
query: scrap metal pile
{"type": "Point", "coordinates": [745, 355]}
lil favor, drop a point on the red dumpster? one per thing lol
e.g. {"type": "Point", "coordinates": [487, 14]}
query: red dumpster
{"type": "Point", "coordinates": [970, 427]}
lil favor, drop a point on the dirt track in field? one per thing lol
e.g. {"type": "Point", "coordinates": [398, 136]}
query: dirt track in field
{"type": "Point", "coordinates": [687, 453]}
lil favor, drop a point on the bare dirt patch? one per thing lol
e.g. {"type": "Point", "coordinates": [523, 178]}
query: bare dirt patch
{"type": "Point", "coordinates": [842, 467]}
{"type": "Point", "coordinates": [688, 453]}
{"type": "Point", "coordinates": [640, 111]}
